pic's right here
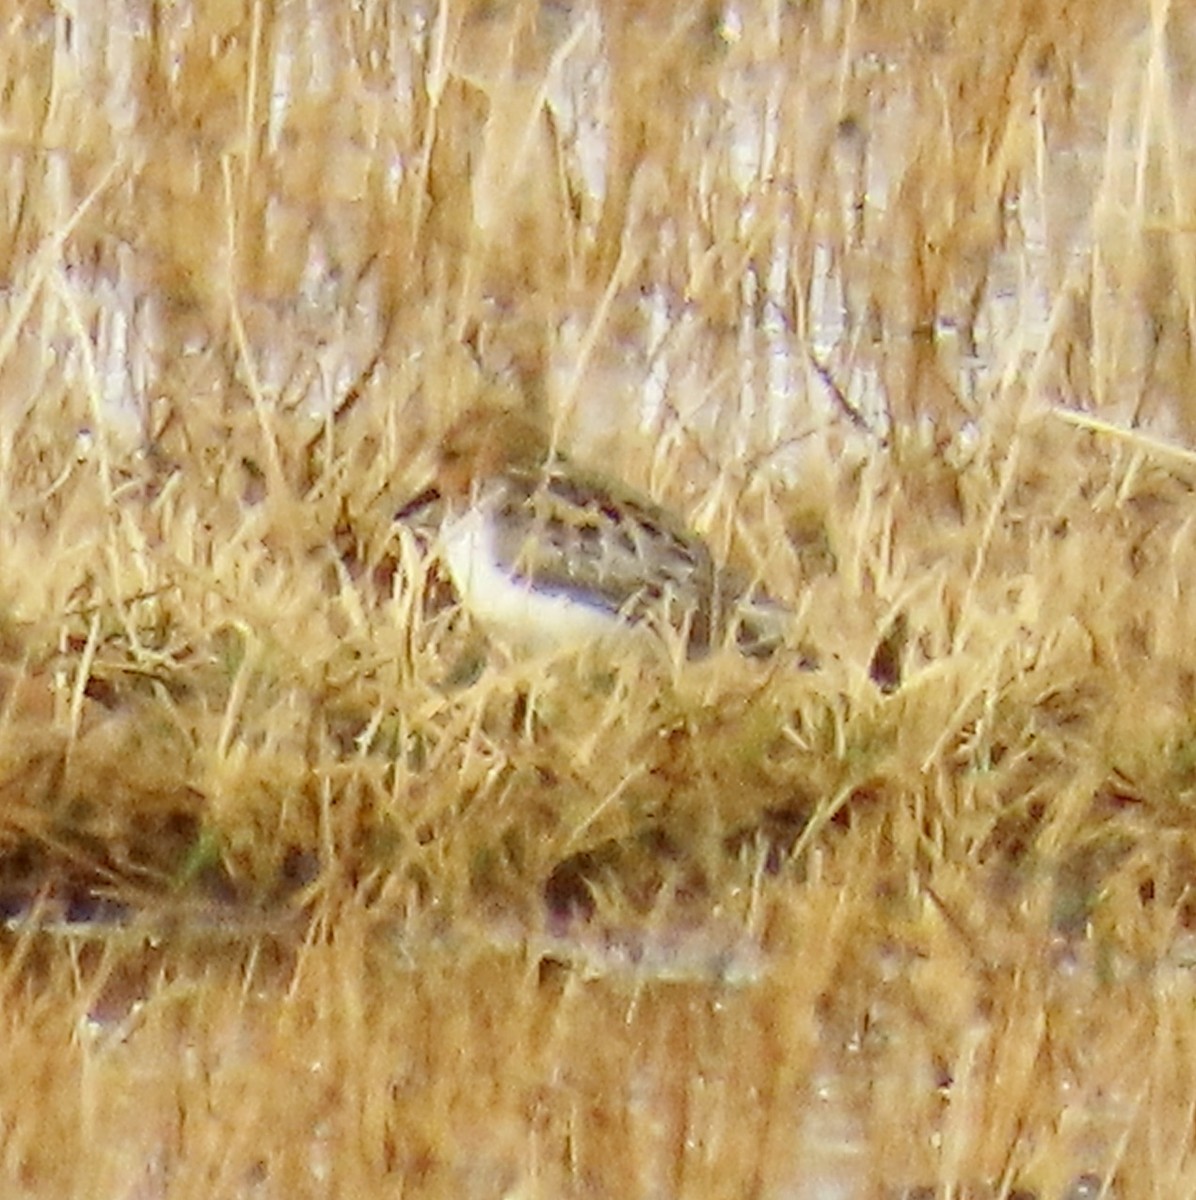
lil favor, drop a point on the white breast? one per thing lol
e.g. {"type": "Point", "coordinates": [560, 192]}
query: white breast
{"type": "Point", "coordinates": [512, 610]}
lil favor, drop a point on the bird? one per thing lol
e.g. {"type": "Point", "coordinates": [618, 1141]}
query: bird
{"type": "Point", "coordinates": [547, 556]}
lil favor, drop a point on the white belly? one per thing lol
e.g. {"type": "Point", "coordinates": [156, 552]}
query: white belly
{"type": "Point", "coordinates": [513, 611]}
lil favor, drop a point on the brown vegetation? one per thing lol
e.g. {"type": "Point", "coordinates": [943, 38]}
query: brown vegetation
{"type": "Point", "coordinates": [311, 893]}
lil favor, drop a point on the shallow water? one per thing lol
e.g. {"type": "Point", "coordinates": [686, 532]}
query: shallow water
{"type": "Point", "coordinates": [780, 297]}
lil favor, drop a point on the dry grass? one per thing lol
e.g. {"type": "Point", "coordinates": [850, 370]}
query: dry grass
{"type": "Point", "coordinates": [896, 305]}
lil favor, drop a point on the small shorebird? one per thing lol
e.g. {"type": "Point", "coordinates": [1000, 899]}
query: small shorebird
{"type": "Point", "coordinates": [546, 556]}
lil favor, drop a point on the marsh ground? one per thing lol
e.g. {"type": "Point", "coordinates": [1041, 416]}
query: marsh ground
{"type": "Point", "coordinates": [311, 893]}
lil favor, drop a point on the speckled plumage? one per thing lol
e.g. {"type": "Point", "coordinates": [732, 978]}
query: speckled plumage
{"type": "Point", "coordinates": [547, 556]}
